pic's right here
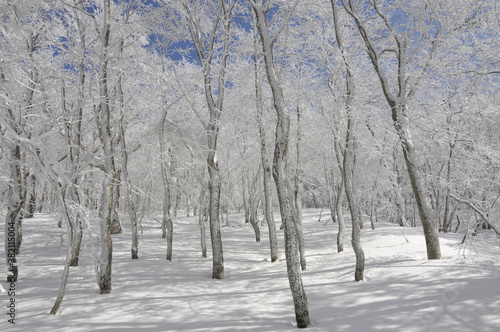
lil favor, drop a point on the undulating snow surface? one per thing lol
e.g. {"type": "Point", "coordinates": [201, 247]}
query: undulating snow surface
{"type": "Point", "coordinates": [402, 290]}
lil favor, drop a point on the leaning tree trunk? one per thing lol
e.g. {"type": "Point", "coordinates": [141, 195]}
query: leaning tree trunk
{"type": "Point", "coordinates": [64, 278]}
{"type": "Point", "coordinates": [427, 215]}
{"type": "Point", "coordinates": [266, 167]}
{"type": "Point", "coordinates": [273, 240]}
{"type": "Point", "coordinates": [349, 169]}
{"type": "Point", "coordinates": [290, 231]}
{"type": "Point", "coordinates": [280, 168]}
{"type": "Point", "coordinates": [78, 241]}
{"type": "Point", "coordinates": [400, 118]}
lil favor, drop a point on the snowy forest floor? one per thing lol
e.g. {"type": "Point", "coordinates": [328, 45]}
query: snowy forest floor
{"type": "Point", "coordinates": [402, 291]}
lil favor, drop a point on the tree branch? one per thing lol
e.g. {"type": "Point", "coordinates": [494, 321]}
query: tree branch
{"type": "Point", "coordinates": [477, 210]}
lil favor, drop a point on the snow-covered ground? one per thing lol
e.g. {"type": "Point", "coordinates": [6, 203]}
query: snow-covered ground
{"type": "Point", "coordinates": [402, 290]}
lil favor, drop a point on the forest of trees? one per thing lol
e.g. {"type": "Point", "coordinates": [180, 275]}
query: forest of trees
{"type": "Point", "coordinates": [117, 110]}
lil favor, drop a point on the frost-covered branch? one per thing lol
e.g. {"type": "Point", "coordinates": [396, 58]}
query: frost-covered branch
{"type": "Point", "coordinates": [478, 211]}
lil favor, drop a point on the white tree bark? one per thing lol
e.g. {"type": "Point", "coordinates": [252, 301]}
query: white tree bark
{"type": "Point", "coordinates": [398, 189]}
{"type": "Point", "coordinates": [167, 224]}
{"type": "Point", "coordinates": [202, 220]}
{"type": "Point", "coordinates": [340, 216]}
{"type": "Point", "coordinates": [268, 205]}
{"type": "Point", "coordinates": [298, 174]}
{"type": "Point", "coordinates": [279, 167]}
{"type": "Point", "coordinates": [399, 108]}
{"type": "Point", "coordinates": [75, 147]}
{"type": "Point", "coordinates": [206, 51]}
{"type": "Point", "coordinates": [105, 264]}
{"type": "Point", "coordinates": [349, 166]}
{"type": "Point", "coordinates": [64, 278]}
{"type": "Point", "coordinates": [253, 202]}
{"type": "Point", "coordinates": [134, 249]}
{"type": "Point", "coordinates": [13, 214]}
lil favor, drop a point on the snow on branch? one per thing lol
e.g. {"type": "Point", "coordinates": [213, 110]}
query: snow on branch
{"type": "Point", "coordinates": [477, 210]}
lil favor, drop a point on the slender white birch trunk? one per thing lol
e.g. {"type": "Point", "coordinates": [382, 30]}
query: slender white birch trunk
{"type": "Point", "coordinates": [296, 191]}
{"type": "Point", "coordinates": [71, 238]}
{"type": "Point", "coordinates": [104, 268]}
{"type": "Point", "coordinates": [280, 175]}
{"type": "Point", "coordinates": [349, 166]}
{"type": "Point", "coordinates": [167, 224]}
{"type": "Point", "coordinates": [268, 213]}
{"type": "Point", "coordinates": [206, 51]}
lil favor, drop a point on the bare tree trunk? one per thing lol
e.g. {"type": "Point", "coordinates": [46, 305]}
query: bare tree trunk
{"type": "Point", "coordinates": [448, 213]}
{"type": "Point", "coordinates": [69, 257]}
{"type": "Point", "coordinates": [427, 216]}
{"type": "Point", "coordinates": [280, 167]}
{"type": "Point", "coordinates": [202, 219]}
{"type": "Point", "coordinates": [336, 206]}
{"type": "Point", "coordinates": [15, 203]}
{"type": "Point", "coordinates": [116, 227]}
{"type": "Point", "coordinates": [105, 264]}
{"type": "Point", "coordinates": [340, 192]}
{"type": "Point", "coordinates": [18, 158]}
{"type": "Point", "coordinates": [398, 189]}
{"type": "Point", "coordinates": [349, 166]}
{"type": "Point", "coordinates": [41, 201]}
{"type": "Point", "coordinates": [74, 153]}
{"type": "Point", "coordinates": [268, 205]}
{"type": "Point", "coordinates": [330, 180]}
{"type": "Point", "coordinates": [77, 243]}
{"type": "Point", "coordinates": [213, 212]}
{"type": "Point", "coordinates": [253, 202]}
{"type": "Point", "coordinates": [296, 191]}
{"type": "Point", "coordinates": [340, 217]}
{"type": "Point", "coordinates": [167, 224]}
{"type": "Point", "coordinates": [372, 211]}
{"type": "Point", "coordinates": [13, 214]}
{"type": "Point", "coordinates": [246, 208]}
{"type": "Point", "coordinates": [254, 221]}
{"type": "Point", "coordinates": [399, 108]}
{"type": "Point", "coordinates": [31, 189]}
{"type": "Point", "coordinates": [22, 212]}
{"type": "Point", "coordinates": [205, 52]}
{"type": "Point", "coordinates": [134, 249]}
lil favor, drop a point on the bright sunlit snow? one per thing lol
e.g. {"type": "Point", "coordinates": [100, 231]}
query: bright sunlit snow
{"type": "Point", "coordinates": [402, 291]}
